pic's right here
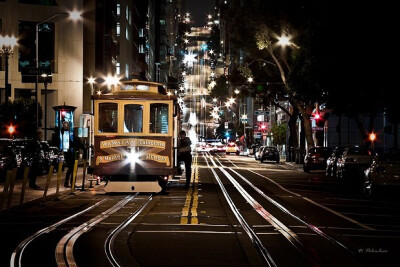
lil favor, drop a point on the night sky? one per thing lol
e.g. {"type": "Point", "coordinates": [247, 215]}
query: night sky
{"type": "Point", "coordinates": [199, 9]}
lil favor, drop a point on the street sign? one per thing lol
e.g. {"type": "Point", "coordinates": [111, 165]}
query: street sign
{"type": "Point", "coordinates": [35, 71]}
{"type": "Point", "coordinates": [244, 120]}
{"type": "Point", "coordinates": [316, 128]}
{"type": "Point", "coordinates": [261, 112]}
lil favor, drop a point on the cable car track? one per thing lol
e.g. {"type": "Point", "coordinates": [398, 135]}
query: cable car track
{"type": "Point", "coordinates": [64, 248]}
{"type": "Point", "coordinates": [309, 253]}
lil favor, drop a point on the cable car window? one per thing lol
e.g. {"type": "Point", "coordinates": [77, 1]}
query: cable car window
{"type": "Point", "coordinates": [159, 118]}
{"type": "Point", "coordinates": [108, 118]}
{"type": "Point", "coordinates": [133, 118]}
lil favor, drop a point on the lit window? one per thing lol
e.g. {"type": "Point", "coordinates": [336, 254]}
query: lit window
{"type": "Point", "coordinates": [118, 29]}
{"type": "Point", "coordinates": [127, 71]}
{"type": "Point", "coordinates": [118, 68]}
{"type": "Point", "coordinates": [141, 32]}
{"type": "Point", "coordinates": [162, 21]}
{"type": "Point", "coordinates": [141, 48]}
{"type": "Point", "coordinates": [127, 33]}
{"type": "Point", "coordinates": [118, 9]}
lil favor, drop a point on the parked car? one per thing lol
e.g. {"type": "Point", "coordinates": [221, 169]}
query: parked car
{"type": "Point", "coordinates": [217, 147]}
{"type": "Point", "coordinates": [316, 157]}
{"type": "Point", "coordinates": [32, 154]}
{"type": "Point", "coordinates": [270, 153]}
{"type": "Point", "coordinates": [8, 157]}
{"type": "Point", "coordinates": [354, 161]}
{"type": "Point", "coordinates": [332, 161]}
{"type": "Point", "coordinates": [56, 156]}
{"type": "Point", "coordinates": [384, 172]}
{"type": "Point", "coordinates": [257, 152]}
{"type": "Point", "coordinates": [45, 147]}
{"type": "Point", "coordinates": [232, 148]}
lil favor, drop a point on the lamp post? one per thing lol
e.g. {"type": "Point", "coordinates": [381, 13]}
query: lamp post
{"type": "Point", "coordinates": [7, 44]}
{"type": "Point", "coordinates": [45, 82]}
{"type": "Point", "coordinates": [74, 15]}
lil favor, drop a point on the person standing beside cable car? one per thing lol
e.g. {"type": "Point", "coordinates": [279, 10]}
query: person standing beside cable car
{"type": "Point", "coordinates": [185, 155]}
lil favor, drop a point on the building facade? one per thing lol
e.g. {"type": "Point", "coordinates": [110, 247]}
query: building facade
{"type": "Point", "coordinates": [60, 47]}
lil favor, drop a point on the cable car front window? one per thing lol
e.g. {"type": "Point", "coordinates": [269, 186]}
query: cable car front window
{"type": "Point", "coordinates": [108, 118]}
{"type": "Point", "coordinates": [133, 118]}
{"type": "Point", "coordinates": [159, 118]}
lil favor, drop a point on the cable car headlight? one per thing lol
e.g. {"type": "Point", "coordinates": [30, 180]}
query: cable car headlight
{"type": "Point", "coordinates": [132, 155]}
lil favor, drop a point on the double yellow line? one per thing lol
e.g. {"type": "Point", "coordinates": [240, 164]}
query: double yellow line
{"type": "Point", "coordinates": [189, 210]}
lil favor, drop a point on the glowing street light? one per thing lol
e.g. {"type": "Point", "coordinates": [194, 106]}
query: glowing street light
{"type": "Point", "coordinates": [250, 79]}
{"type": "Point", "coordinates": [11, 130]}
{"type": "Point", "coordinates": [7, 44]}
{"type": "Point", "coordinates": [372, 138]}
{"type": "Point", "coordinates": [111, 81]}
{"type": "Point", "coordinates": [285, 40]}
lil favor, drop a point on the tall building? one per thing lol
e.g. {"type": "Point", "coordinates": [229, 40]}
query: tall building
{"type": "Point", "coordinates": [60, 49]}
{"type": "Point", "coordinates": [123, 38]}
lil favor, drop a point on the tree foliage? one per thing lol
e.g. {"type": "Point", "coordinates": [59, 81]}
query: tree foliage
{"type": "Point", "coordinates": [279, 134]}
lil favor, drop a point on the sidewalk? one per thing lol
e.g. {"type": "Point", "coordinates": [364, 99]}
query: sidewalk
{"type": "Point", "coordinates": [32, 194]}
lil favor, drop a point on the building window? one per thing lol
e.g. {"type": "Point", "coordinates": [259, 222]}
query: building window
{"type": "Point", "coordinates": [127, 71]}
{"type": "Point", "coordinates": [141, 32]}
{"type": "Point", "coordinates": [118, 68]}
{"type": "Point", "coordinates": [127, 33]}
{"type": "Point", "coordinates": [141, 49]}
{"type": "Point", "coordinates": [27, 46]}
{"type": "Point", "coordinates": [118, 9]}
{"type": "Point", "coordinates": [118, 28]}
{"type": "Point", "coordinates": [130, 17]}
{"type": "Point", "coordinates": [162, 21]}
{"type": "Point", "coordinates": [127, 13]}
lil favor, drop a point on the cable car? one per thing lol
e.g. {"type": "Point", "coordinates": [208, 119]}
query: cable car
{"type": "Point", "coordinates": [135, 136]}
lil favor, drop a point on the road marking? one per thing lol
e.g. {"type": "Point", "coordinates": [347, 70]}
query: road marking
{"type": "Point", "coordinates": [189, 211]}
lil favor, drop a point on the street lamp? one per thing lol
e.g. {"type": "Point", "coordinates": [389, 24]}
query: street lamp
{"type": "Point", "coordinates": [7, 44]}
{"type": "Point", "coordinates": [372, 138]}
{"type": "Point", "coordinates": [45, 78]}
{"type": "Point", "coordinates": [73, 15]}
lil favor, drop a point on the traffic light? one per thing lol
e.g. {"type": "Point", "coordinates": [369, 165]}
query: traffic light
{"type": "Point", "coordinates": [319, 120]}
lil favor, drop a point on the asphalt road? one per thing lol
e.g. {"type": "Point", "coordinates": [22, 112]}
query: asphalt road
{"type": "Point", "coordinates": [237, 212]}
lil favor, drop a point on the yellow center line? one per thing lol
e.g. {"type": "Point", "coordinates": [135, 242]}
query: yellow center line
{"type": "Point", "coordinates": [189, 210]}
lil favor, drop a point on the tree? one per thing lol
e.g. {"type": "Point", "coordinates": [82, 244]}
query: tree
{"type": "Point", "coordinates": [301, 67]}
{"type": "Point", "coordinates": [279, 134]}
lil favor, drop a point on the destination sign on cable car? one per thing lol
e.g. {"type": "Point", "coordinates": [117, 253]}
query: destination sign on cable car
{"type": "Point", "coordinates": [134, 87]}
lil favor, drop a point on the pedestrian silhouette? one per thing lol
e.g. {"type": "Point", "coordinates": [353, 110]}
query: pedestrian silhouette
{"type": "Point", "coordinates": [70, 160]}
{"type": "Point", "coordinates": [185, 155]}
